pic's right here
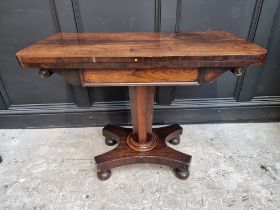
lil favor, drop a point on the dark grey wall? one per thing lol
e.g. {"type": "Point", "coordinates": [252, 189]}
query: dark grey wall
{"type": "Point", "coordinates": [26, 100]}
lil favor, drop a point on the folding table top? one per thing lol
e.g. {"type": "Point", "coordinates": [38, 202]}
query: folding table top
{"type": "Point", "coordinates": [141, 50]}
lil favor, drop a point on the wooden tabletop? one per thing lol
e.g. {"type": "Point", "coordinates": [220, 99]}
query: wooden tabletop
{"type": "Point", "coordinates": [141, 50]}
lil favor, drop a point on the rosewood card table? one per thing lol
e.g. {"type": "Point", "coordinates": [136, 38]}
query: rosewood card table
{"type": "Point", "coordinates": [141, 61]}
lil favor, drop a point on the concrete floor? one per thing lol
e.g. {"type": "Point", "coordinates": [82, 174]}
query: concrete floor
{"type": "Point", "coordinates": [235, 166]}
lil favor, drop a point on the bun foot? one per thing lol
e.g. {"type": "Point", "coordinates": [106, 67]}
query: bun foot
{"type": "Point", "coordinates": [175, 141]}
{"type": "Point", "coordinates": [182, 174]}
{"type": "Point", "coordinates": [104, 175]}
{"type": "Point", "coordinates": [110, 142]}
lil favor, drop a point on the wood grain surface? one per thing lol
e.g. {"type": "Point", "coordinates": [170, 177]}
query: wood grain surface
{"type": "Point", "coordinates": [139, 77]}
{"type": "Point", "coordinates": [141, 50]}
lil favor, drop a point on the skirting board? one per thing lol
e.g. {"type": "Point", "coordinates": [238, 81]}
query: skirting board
{"type": "Point", "coordinates": [161, 117]}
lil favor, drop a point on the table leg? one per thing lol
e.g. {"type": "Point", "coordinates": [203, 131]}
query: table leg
{"type": "Point", "coordinates": [142, 144]}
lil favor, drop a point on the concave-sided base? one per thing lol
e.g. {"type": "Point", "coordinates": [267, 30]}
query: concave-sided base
{"type": "Point", "coordinates": [123, 154]}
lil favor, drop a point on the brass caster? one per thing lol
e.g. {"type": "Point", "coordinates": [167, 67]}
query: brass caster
{"type": "Point", "coordinates": [110, 142]}
{"type": "Point", "coordinates": [182, 174]}
{"type": "Point", "coordinates": [104, 175]}
{"type": "Point", "coordinates": [175, 141]}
